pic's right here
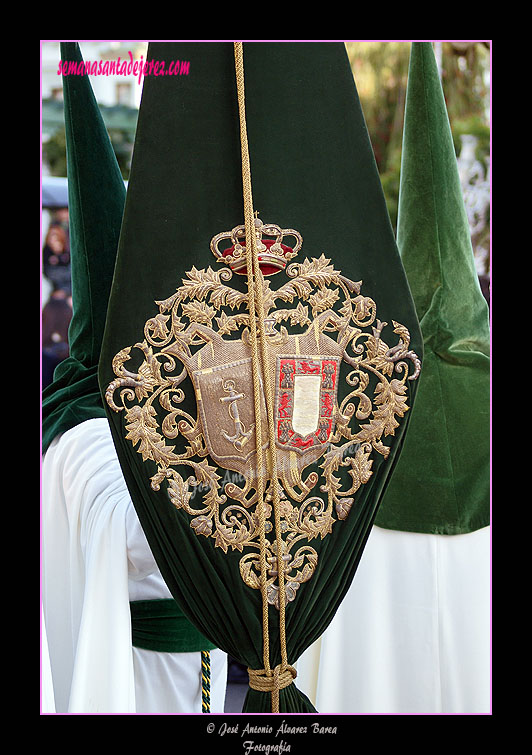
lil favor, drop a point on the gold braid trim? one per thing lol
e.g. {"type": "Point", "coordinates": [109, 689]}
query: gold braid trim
{"type": "Point", "coordinates": [273, 682]}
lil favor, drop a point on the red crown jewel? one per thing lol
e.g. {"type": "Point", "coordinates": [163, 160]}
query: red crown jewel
{"type": "Point", "coordinates": [273, 254]}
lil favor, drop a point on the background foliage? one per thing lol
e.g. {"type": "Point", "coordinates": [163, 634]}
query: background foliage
{"type": "Point", "coordinates": [380, 70]}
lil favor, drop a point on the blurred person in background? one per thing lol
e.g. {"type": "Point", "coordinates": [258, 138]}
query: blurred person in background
{"type": "Point", "coordinates": [56, 253]}
{"type": "Point", "coordinates": [56, 316]}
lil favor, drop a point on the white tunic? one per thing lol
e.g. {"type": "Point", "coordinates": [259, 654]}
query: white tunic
{"type": "Point", "coordinates": [412, 635]}
{"type": "Point", "coordinates": [95, 559]}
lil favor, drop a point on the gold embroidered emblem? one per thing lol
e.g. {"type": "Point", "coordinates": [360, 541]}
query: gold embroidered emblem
{"type": "Point", "coordinates": [334, 328]}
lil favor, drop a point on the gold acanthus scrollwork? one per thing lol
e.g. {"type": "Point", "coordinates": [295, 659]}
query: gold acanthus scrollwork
{"type": "Point", "coordinates": [189, 330]}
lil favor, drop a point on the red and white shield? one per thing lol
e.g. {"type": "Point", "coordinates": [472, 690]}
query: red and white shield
{"type": "Point", "coordinates": [306, 388]}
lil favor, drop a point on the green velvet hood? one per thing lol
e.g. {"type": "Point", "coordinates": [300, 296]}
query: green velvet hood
{"type": "Point", "coordinates": [96, 196]}
{"type": "Point", "coordinates": [341, 331]}
{"type": "Point", "coordinates": [442, 481]}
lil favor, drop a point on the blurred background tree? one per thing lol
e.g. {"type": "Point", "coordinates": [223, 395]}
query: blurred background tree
{"type": "Point", "coordinates": [380, 70]}
{"type": "Point", "coordinates": [54, 150]}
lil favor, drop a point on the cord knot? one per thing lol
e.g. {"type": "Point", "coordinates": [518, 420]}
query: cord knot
{"type": "Point", "coordinates": [273, 681]}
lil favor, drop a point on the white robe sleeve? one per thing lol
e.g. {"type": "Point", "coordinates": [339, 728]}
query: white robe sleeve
{"type": "Point", "coordinates": [85, 574]}
{"type": "Point", "coordinates": [95, 560]}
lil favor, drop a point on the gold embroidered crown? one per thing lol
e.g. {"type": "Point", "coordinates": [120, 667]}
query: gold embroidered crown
{"type": "Point", "coordinates": [273, 254]}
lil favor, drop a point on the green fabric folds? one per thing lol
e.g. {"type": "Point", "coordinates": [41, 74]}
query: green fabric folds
{"type": "Point", "coordinates": [441, 483]}
{"type": "Point", "coordinates": [313, 170]}
{"type": "Point", "coordinates": [161, 625]}
{"type": "Point", "coordinates": [96, 196]}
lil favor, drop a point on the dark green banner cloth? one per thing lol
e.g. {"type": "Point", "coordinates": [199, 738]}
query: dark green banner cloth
{"type": "Point", "coordinates": [173, 328]}
{"type": "Point", "coordinates": [442, 481]}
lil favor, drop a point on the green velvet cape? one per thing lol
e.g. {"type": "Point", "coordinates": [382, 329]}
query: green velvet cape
{"type": "Point", "coordinates": [442, 482]}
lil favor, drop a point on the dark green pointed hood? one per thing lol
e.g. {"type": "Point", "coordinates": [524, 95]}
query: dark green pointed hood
{"type": "Point", "coordinates": [441, 482]}
{"type": "Point", "coordinates": [96, 195]}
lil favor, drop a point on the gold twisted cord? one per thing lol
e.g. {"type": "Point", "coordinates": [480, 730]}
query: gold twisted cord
{"type": "Point", "coordinates": [248, 222]}
{"type": "Point", "coordinates": [205, 681]}
{"type": "Point", "coordinates": [256, 305]}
